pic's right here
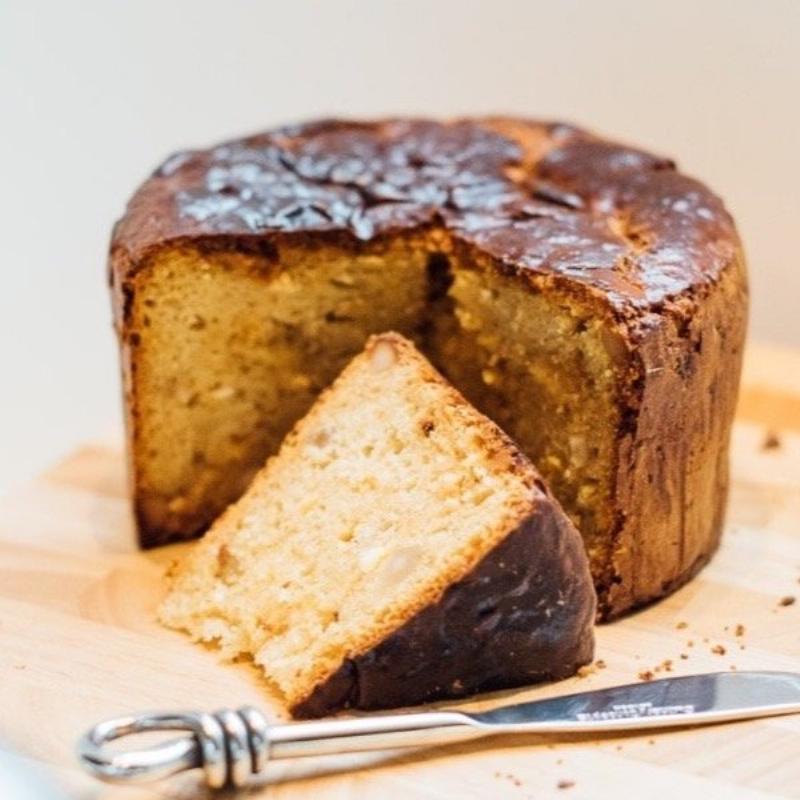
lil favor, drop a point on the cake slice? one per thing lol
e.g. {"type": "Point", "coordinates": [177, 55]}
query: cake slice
{"type": "Point", "coordinates": [399, 548]}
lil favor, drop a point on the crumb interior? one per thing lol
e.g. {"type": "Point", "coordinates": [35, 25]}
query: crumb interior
{"type": "Point", "coordinates": [543, 368]}
{"type": "Point", "coordinates": [391, 489]}
{"type": "Point", "coordinates": [232, 351]}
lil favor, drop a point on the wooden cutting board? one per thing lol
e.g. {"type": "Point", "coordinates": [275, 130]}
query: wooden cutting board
{"type": "Point", "coordinates": [78, 643]}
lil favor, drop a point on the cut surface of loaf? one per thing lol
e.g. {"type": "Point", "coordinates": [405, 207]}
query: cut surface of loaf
{"type": "Point", "coordinates": [397, 549]}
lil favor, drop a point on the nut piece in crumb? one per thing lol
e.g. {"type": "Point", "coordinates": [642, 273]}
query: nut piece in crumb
{"type": "Point", "coordinates": [788, 600]}
{"type": "Point", "coordinates": [771, 441]}
{"type": "Point", "coordinates": [382, 357]}
{"type": "Point", "coordinates": [646, 675]}
{"type": "Point", "coordinates": [718, 650]}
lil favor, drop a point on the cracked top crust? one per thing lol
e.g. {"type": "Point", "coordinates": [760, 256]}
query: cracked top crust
{"type": "Point", "coordinates": [543, 198]}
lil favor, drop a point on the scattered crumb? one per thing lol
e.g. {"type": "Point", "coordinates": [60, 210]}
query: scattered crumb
{"type": "Point", "coordinates": [509, 776]}
{"type": "Point", "coordinates": [771, 441]}
{"type": "Point", "coordinates": [718, 650]}
{"type": "Point", "coordinates": [664, 666]}
{"type": "Point", "coordinates": [789, 600]}
{"type": "Point", "coordinates": [742, 647]}
{"type": "Point", "coordinates": [559, 761]}
{"type": "Point", "coordinates": [563, 784]}
{"type": "Point", "coordinates": [651, 741]}
{"type": "Point", "coordinates": [600, 663]}
{"type": "Point", "coordinates": [733, 667]}
{"type": "Point", "coordinates": [618, 747]}
{"type": "Point", "coordinates": [690, 643]}
{"type": "Point", "coordinates": [682, 626]}
{"type": "Point", "coordinates": [646, 675]}
{"type": "Point", "coordinates": [705, 640]}
{"type": "Point", "coordinates": [739, 630]}
{"type": "Point", "coordinates": [684, 656]}
{"type": "Point", "coordinates": [589, 669]}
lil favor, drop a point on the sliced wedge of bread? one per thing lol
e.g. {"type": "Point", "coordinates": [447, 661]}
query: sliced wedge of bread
{"type": "Point", "coordinates": [398, 548]}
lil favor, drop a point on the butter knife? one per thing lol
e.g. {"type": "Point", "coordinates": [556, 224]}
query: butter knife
{"type": "Point", "coordinates": [230, 746]}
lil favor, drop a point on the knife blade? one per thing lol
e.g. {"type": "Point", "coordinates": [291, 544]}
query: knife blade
{"type": "Point", "coordinates": [689, 700]}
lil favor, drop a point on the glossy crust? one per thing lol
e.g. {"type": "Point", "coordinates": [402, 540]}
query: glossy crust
{"type": "Point", "coordinates": [653, 251]}
{"type": "Point", "coordinates": [524, 614]}
{"type": "Point", "coordinates": [544, 198]}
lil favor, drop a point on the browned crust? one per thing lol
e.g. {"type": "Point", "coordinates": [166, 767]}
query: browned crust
{"type": "Point", "coordinates": [545, 197]}
{"type": "Point", "coordinates": [672, 459]}
{"type": "Point", "coordinates": [524, 614]}
{"type": "Point", "coordinates": [652, 250]}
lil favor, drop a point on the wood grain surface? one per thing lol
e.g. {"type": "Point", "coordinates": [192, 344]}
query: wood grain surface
{"type": "Point", "coordinates": [78, 642]}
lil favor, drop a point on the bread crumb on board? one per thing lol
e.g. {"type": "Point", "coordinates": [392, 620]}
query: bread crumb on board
{"type": "Point", "coordinates": [590, 669]}
{"type": "Point", "coordinates": [509, 776]}
{"type": "Point", "coordinates": [649, 674]}
{"type": "Point", "coordinates": [565, 784]}
{"type": "Point", "coordinates": [771, 441]}
{"type": "Point", "coordinates": [788, 600]}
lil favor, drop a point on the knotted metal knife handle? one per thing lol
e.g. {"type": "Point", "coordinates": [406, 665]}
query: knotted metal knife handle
{"type": "Point", "coordinates": [230, 746]}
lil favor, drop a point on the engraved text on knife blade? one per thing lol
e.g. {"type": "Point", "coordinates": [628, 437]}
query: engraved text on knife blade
{"type": "Point", "coordinates": [633, 710]}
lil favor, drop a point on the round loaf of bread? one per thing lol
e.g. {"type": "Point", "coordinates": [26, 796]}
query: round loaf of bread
{"type": "Point", "coordinates": [585, 295]}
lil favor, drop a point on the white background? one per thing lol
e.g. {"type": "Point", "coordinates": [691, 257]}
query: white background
{"type": "Point", "coordinates": [94, 93]}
